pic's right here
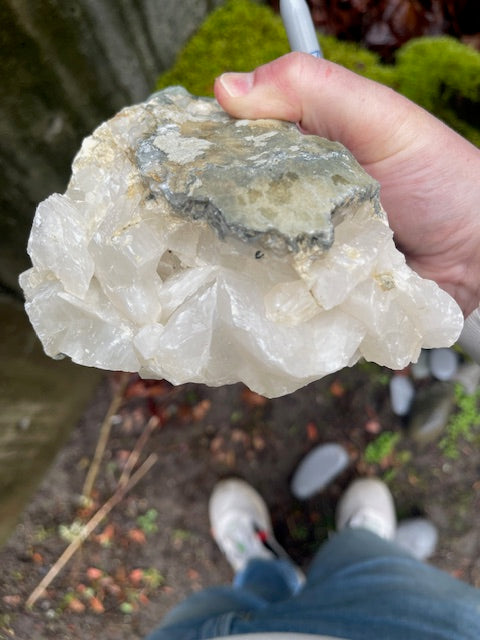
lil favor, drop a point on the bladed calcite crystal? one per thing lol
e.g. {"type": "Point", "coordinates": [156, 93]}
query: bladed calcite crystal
{"type": "Point", "coordinates": [198, 248]}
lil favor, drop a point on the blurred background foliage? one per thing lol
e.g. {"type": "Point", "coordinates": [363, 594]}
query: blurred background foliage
{"type": "Point", "coordinates": [439, 72]}
{"type": "Point", "coordinates": [385, 25]}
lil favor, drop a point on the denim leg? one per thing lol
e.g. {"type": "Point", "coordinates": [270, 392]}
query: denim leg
{"type": "Point", "coordinates": [209, 612]}
{"type": "Point", "coordinates": [206, 614]}
{"type": "Point", "coordinates": [362, 587]}
{"type": "Point", "coordinates": [349, 548]}
{"type": "Point", "coordinates": [359, 587]}
{"type": "Point", "coordinates": [270, 580]}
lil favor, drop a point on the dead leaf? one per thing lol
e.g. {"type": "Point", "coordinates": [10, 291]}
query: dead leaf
{"type": "Point", "coordinates": [147, 389]}
{"type": "Point", "coordinates": [136, 576]}
{"type": "Point", "coordinates": [259, 443]}
{"type": "Point", "coordinates": [137, 535]}
{"type": "Point", "coordinates": [312, 432]}
{"type": "Point", "coordinates": [200, 410]}
{"type": "Point", "coordinates": [193, 574]}
{"type": "Point", "coordinates": [94, 574]}
{"type": "Point", "coordinates": [373, 426]}
{"type": "Point", "coordinates": [106, 537]}
{"type": "Point", "coordinates": [217, 444]}
{"type": "Point", "coordinates": [240, 437]}
{"type": "Point", "coordinates": [252, 399]}
{"type": "Point", "coordinates": [167, 589]}
{"type": "Point", "coordinates": [12, 601]}
{"type": "Point", "coordinates": [95, 605]}
{"type": "Point", "coordinates": [76, 605]}
{"type": "Point", "coordinates": [337, 389]}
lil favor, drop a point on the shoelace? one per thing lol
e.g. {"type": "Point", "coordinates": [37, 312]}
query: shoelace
{"type": "Point", "coordinates": [269, 542]}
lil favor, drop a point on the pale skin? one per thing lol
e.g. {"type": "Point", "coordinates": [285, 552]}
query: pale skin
{"type": "Point", "coordinates": [429, 175]}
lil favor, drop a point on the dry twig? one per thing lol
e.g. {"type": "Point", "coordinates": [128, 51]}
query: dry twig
{"type": "Point", "coordinates": [137, 450]}
{"type": "Point", "coordinates": [104, 435]}
{"type": "Point", "coordinates": [91, 525]}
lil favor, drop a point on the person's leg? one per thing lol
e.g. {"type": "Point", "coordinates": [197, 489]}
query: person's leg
{"type": "Point", "coordinates": [367, 505]}
{"type": "Point", "coordinates": [362, 585]}
{"type": "Point", "coordinates": [261, 582]}
{"type": "Point", "coordinates": [263, 573]}
{"type": "Point", "coordinates": [270, 580]}
{"type": "Point", "coordinates": [206, 614]}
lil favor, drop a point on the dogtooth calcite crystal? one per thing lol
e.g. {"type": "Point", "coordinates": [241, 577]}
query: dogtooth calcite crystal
{"type": "Point", "coordinates": [195, 247]}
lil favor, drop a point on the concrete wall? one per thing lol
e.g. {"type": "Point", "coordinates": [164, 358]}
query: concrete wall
{"type": "Point", "coordinates": [65, 66]}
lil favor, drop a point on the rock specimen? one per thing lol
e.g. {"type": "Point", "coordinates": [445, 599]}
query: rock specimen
{"type": "Point", "coordinates": [194, 247]}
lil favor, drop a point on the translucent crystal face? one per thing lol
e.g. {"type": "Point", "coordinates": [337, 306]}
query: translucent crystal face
{"type": "Point", "coordinates": [194, 247]}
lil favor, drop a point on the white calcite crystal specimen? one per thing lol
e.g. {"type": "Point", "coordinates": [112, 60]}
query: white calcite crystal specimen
{"type": "Point", "coordinates": [194, 247]}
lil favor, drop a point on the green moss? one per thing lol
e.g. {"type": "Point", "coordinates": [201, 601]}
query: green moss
{"type": "Point", "coordinates": [358, 59]}
{"type": "Point", "coordinates": [381, 448]}
{"type": "Point", "coordinates": [463, 424]}
{"type": "Point", "coordinates": [238, 36]}
{"type": "Point", "coordinates": [441, 74]}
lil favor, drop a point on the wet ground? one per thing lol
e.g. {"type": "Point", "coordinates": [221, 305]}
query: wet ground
{"type": "Point", "coordinates": [154, 547]}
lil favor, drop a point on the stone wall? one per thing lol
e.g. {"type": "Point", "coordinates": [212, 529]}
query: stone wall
{"type": "Point", "coordinates": [66, 65]}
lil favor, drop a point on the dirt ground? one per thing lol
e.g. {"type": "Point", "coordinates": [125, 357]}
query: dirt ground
{"type": "Point", "coordinates": [154, 547]}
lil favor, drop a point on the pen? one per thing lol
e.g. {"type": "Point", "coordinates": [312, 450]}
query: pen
{"type": "Point", "coordinates": [299, 27]}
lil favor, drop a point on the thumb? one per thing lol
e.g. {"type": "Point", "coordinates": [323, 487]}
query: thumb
{"type": "Point", "coordinates": [325, 99]}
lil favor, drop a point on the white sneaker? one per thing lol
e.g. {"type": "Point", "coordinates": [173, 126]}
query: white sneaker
{"type": "Point", "coordinates": [368, 504]}
{"type": "Point", "coordinates": [241, 524]}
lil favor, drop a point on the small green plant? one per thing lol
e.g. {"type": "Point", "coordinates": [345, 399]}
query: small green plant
{"type": "Point", "coordinates": [127, 607]}
{"type": "Point", "coordinates": [153, 578]}
{"type": "Point", "coordinates": [463, 424]}
{"type": "Point", "coordinates": [381, 448]}
{"type": "Point", "coordinates": [181, 535]}
{"type": "Point", "coordinates": [5, 622]}
{"type": "Point", "coordinates": [236, 416]}
{"type": "Point", "coordinates": [191, 397]}
{"type": "Point", "coordinates": [41, 534]}
{"type": "Point", "coordinates": [70, 532]}
{"type": "Point", "coordinates": [144, 581]}
{"type": "Point", "coordinates": [377, 374]}
{"type": "Point", "coordinates": [147, 521]}
{"type": "Point", "coordinates": [300, 532]}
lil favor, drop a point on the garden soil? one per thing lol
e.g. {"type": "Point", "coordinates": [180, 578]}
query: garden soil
{"type": "Point", "coordinates": [154, 547]}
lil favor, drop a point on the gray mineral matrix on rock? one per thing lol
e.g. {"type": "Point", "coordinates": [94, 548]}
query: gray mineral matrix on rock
{"type": "Point", "coordinates": [198, 248]}
{"type": "Point", "coordinates": [257, 180]}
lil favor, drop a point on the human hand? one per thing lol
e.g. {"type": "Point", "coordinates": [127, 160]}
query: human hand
{"type": "Point", "coordinates": [429, 175]}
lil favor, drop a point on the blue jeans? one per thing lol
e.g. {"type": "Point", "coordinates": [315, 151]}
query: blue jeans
{"type": "Point", "coordinates": [359, 587]}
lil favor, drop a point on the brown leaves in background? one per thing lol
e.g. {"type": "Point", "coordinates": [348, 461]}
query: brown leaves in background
{"type": "Point", "coordinates": [384, 25]}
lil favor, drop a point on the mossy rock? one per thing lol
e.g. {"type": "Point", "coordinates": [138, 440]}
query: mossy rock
{"type": "Point", "coordinates": [439, 73]}
{"type": "Point", "coordinates": [443, 75]}
{"type": "Point", "coordinates": [239, 36]}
